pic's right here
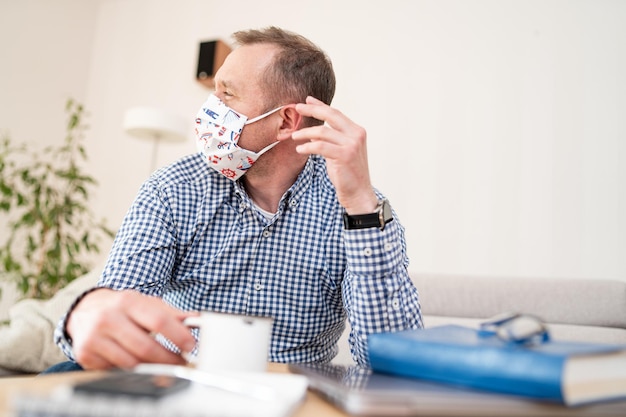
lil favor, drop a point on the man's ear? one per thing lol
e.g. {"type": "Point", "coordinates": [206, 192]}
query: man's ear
{"type": "Point", "coordinates": [291, 121]}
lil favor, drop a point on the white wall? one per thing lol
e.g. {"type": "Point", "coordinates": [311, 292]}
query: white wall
{"type": "Point", "coordinates": [44, 59]}
{"type": "Point", "coordinates": [496, 128]}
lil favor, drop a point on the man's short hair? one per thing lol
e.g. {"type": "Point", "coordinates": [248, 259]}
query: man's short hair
{"type": "Point", "coordinates": [300, 68]}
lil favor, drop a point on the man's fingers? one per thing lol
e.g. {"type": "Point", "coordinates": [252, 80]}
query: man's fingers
{"type": "Point", "coordinates": [165, 320]}
{"type": "Point", "coordinates": [143, 348]}
{"type": "Point", "coordinates": [318, 133]}
{"type": "Point", "coordinates": [115, 328]}
{"type": "Point", "coordinates": [109, 355]}
{"type": "Point", "coordinates": [321, 111]}
{"type": "Point", "coordinates": [328, 150]}
{"type": "Point", "coordinates": [126, 346]}
{"type": "Point", "coordinates": [313, 100]}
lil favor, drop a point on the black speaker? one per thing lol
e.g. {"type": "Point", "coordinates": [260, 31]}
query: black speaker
{"type": "Point", "coordinates": [211, 56]}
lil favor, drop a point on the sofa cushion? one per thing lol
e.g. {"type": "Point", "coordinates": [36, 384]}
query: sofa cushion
{"type": "Point", "coordinates": [26, 343]}
{"type": "Point", "coordinates": [586, 302]}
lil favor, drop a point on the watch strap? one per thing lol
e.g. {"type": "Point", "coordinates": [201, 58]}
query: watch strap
{"type": "Point", "coordinates": [379, 218]}
{"type": "Point", "coordinates": [360, 221]}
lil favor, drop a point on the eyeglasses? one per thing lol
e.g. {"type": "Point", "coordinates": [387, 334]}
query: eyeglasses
{"type": "Point", "coordinates": [521, 329]}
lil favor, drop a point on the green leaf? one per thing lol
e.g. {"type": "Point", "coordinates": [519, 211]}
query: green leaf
{"type": "Point", "coordinates": [52, 226]}
{"type": "Point", "coordinates": [5, 189]}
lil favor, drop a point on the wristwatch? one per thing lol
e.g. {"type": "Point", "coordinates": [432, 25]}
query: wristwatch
{"type": "Point", "coordinates": [379, 218]}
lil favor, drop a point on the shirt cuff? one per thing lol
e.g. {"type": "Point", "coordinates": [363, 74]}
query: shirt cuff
{"type": "Point", "coordinates": [372, 251]}
{"type": "Point", "coordinates": [61, 338]}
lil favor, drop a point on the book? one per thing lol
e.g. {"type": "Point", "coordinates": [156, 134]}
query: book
{"type": "Point", "coordinates": [572, 373]}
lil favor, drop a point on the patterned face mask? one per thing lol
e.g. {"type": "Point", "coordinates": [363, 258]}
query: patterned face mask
{"type": "Point", "coordinates": [218, 129]}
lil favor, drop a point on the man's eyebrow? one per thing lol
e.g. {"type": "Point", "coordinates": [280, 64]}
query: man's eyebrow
{"type": "Point", "coordinates": [225, 84]}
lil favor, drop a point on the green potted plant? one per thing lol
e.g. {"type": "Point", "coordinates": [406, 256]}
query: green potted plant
{"type": "Point", "coordinates": [52, 230]}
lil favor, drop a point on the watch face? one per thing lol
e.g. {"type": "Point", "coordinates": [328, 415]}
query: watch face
{"type": "Point", "coordinates": [387, 216]}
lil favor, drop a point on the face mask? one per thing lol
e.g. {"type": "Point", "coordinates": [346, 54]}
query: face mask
{"type": "Point", "coordinates": [218, 128]}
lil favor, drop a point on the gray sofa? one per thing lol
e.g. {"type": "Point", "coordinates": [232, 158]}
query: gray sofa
{"type": "Point", "coordinates": [586, 310]}
{"type": "Point", "coordinates": [573, 309]}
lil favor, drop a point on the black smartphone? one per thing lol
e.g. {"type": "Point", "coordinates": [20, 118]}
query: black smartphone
{"type": "Point", "coordinates": [131, 384]}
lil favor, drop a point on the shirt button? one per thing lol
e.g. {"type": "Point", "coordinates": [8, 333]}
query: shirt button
{"type": "Point", "coordinates": [293, 203]}
{"type": "Point", "coordinates": [367, 252]}
{"type": "Point", "coordinates": [242, 206]}
{"type": "Point", "coordinates": [388, 247]}
{"type": "Point", "coordinates": [258, 287]}
{"type": "Point", "coordinates": [266, 233]}
{"type": "Point", "coordinates": [395, 304]}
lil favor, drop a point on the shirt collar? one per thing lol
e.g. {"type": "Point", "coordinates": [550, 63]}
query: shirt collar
{"type": "Point", "coordinates": [292, 197]}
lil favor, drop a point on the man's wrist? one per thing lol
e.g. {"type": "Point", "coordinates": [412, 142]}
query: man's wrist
{"type": "Point", "coordinates": [77, 301]}
{"type": "Point", "coordinates": [362, 206]}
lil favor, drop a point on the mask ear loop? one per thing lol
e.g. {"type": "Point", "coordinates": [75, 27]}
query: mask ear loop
{"type": "Point", "coordinates": [271, 145]}
{"type": "Point", "coordinates": [256, 119]}
{"type": "Point", "coordinates": [267, 148]}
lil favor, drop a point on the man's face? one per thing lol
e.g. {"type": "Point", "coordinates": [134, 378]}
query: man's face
{"type": "Point", "coordinates": [238, 85]}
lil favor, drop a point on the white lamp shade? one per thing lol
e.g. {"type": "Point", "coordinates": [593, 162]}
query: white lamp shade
{"type": "Point", "coordinates": [153, 123]}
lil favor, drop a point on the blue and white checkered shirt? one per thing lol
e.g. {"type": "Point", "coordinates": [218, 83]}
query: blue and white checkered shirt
{"type": "Point", "coordinates": [196, 239]}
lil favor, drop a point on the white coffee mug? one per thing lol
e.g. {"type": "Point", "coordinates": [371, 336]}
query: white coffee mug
{"type": "Point", "coordinates": [232, 342]}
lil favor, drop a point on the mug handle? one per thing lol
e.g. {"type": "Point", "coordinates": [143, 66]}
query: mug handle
{"type": "Point", "coordinates": [193, 321]}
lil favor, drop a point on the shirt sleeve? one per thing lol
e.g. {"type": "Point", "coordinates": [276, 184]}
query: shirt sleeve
{"type": "Point", "coordinates": [141, 257]}
{"type": "Point", "coordinates": [378, 293]}
{"type": "Point", "coordinates": [144, 250]}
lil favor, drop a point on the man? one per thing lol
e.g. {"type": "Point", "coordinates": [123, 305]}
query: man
{"type": "Point", "coordinates": [302, 237]}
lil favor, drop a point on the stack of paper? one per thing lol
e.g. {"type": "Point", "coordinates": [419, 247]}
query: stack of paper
{"type": "Point", "coordinates": [243, 395]}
